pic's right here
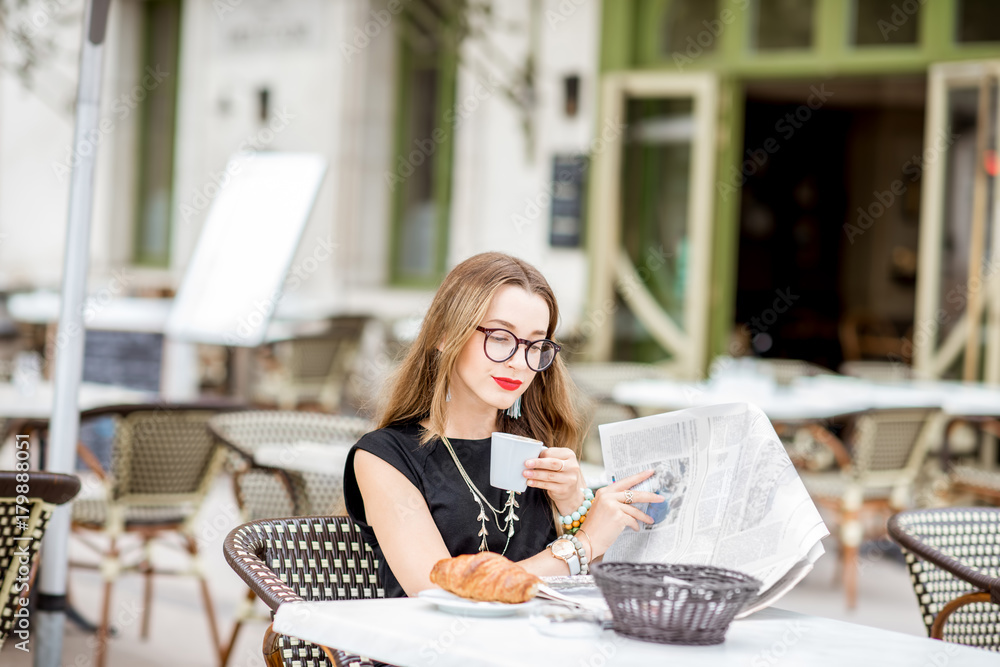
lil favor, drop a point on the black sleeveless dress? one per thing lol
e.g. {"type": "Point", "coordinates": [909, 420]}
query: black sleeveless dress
{"type": "Point", "coordinates": [432, 471]}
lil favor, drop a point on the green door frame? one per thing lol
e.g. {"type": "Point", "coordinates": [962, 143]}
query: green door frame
{"type": "Point", "coordinates": [630, 32]}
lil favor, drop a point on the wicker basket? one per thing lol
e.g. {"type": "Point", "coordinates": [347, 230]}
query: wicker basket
{"type": "Point", "coordinates": [673, 604]}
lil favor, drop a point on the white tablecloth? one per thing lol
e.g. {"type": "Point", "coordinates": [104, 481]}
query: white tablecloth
{"type": "Point", "coordinates": [38, 404]}
{"type": "Point", "coordinates": [308, 457]}
{"type": "Point", "coordinates": [411, 631]}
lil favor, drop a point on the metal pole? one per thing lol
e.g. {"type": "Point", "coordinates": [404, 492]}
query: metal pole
{"type": "Point", "coordinates": [61, 452]}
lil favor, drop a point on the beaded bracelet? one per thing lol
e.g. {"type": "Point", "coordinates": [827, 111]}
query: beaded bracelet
{"type": "Point", "coordinates": [572, 522]}
{"type": "Point", "coordinates": [581, 552]}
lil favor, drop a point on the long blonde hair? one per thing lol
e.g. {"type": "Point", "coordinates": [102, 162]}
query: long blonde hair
{"type": "Point", "coordinates": [549, 409]}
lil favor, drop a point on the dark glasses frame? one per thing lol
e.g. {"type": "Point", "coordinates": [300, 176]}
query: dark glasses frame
{"type": "Point", "coordinates": [520, 341]}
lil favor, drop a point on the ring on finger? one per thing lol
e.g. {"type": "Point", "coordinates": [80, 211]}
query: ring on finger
{"type": "Point", "coordinates": [629, 497]}
{"type": "Point", "coordinates": [562, 464]}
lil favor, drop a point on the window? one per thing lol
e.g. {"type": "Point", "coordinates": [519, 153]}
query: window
{"type": "Point", "coordinates": [784, 24]}
{"type": "Point", "coordinates": [978, 21]}
{"type": "Point", "coordinates": [156, 97]}
{"type": "Point", "coordinates": [691, 25]}
{"type": "Point", "coordinates": [879, 22]}
{"type": "Point", "coordinates": [420, 177]}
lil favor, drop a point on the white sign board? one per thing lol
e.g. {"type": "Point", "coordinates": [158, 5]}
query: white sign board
{"type": "Point", "coordinates": [234, 279]}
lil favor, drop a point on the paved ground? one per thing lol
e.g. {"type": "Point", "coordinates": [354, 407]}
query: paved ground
{"type": "Point", "coordinates": [179, 631]}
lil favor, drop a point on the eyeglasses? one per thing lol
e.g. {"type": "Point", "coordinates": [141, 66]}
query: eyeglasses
{"type": "Point", "coordinates": [500, 345]}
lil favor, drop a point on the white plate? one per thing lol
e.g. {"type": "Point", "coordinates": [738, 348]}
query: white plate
{"type": "Point", "coordinates": [453, 604]}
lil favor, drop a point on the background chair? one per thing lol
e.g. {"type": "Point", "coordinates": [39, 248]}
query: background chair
{"type": "Point", "coordinates": [29, 519]}
{"type": "Point", "coordinates": [264, 492]}
{"type": "Point", "coordinates": [312, 369]}
{"type": "Point", "coordinates": [954, 559]}
{"type": "Point", "coordinates": [163, 461]}
{"type": "Point", "coordinates": [877, 470]}
{"type": "Point", "coordinates": [968, 475]}
{"type": "Point", "coordinates": [285, 561]}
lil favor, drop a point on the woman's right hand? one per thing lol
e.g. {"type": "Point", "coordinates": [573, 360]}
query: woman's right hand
{"type": "Point", "coordinates": [609, 514]}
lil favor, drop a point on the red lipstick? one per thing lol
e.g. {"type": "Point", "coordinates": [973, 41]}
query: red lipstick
{"type": "Point", "coordinates": [508, 383]}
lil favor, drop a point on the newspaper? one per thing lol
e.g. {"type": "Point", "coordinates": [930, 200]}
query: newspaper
{"type": "Point", "coordinates": [733, 497]}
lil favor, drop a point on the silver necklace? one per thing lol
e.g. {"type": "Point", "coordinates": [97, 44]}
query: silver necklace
{"type": "Point", "coordinates": [477, 495]}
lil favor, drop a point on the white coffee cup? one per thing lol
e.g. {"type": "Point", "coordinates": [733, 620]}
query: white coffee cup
{"type": "Point", "coordinates": [508, 454]}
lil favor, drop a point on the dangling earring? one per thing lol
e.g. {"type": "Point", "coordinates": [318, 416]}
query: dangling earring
{"type": "Point", "coordinates": [514, 411]}
{"type": "Point", "coordinates": [447, 397]}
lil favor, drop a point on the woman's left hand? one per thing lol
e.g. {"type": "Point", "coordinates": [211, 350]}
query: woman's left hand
{"type": "Point", "coordinates": [558, 472]}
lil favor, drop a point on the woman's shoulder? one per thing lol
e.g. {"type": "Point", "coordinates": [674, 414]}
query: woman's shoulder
{"type": "Point", "coordinates": [401, 439]}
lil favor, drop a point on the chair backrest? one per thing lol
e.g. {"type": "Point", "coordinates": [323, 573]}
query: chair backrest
{"type": "Point", "coordinates": [302, 559]}
{"type": "Point", "coordinates": [888, 446]}
{"type": "Point", "coordinates": [267, 493]}
{"type": "Point", "coordinates": [951, 552]}
{"type": "Point", "coordinates": [164, 452]}
{"type": "Point", "coordinates": [22, 526]}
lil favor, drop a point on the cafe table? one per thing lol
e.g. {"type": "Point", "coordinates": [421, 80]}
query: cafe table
{"type": "Point", "coordinates": [412, 631]}
{"type": "Point", "coordinates": [811, 398]}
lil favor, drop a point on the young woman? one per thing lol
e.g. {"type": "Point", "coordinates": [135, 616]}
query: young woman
{"type": "Point", "coordinates": [483, 361]}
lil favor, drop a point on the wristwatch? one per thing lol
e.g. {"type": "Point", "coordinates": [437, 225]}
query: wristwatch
{"type": "Point", "coordinates": [563, 548]}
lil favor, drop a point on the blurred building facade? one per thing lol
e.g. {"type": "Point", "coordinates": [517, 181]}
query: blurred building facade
{"type": "Point", "coordinates": [795, 178]}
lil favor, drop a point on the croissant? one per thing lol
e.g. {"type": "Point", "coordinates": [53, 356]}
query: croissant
{"type": "Point", "coordinates": [485, 576]}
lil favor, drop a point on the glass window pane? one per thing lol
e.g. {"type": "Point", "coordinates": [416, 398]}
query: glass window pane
{"type": "Point", "coordinates": [960, 175]}
{"type": "Point", "coordinates": [784, 24]}
{"type": "Point", "coordinates": [159, 106]}
{"type": "Point", "coordinates": [656, 180]}
{"type": "Point", "coordinates": [885, 22]}
{"type": "Point", "coordinates": [691, 27]}
{"type": "Point", "coordinates": [978, 21]}
{"type": "Point", "coordinates": [418, 219]}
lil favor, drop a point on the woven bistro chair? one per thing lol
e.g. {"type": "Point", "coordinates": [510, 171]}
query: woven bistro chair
{"type": "Point", "coordinates": [312, 368]}
{"type": "Point", "coordinates": [285, 561]}
{"type": "Point", "coordinates": [967, 476]}
{"type": "Point", "coordinates": [264, 492]}
{"type": "Point", "coordinates": [22, 526]}
{"type": "Point", "coordinates": [954, 559]}
{"type": "Point", "coordinates": [163, 461]}
{"type": "Point", "coordinates": [878, 467]}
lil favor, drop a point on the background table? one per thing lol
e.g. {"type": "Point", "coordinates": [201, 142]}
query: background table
{"type": "Point", "coordinates": [411, 631]}
{"type": "Point", "coordinates": [813, 398]}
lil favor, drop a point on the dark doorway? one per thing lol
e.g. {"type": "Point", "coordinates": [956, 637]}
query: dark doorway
{"type": "Point", "coordinates": [813, 154]}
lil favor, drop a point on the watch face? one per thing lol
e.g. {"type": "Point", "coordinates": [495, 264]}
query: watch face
{"type": "Point", "coordinates": [563, 549]}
